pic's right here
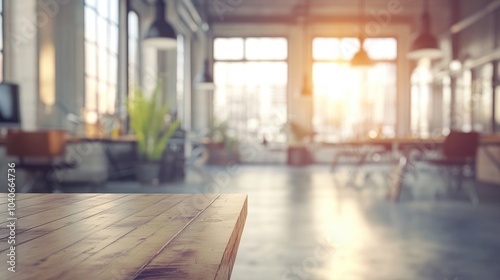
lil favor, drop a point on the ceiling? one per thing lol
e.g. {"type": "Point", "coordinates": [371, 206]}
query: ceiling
{"type": "Point", "coordinates": [269, 10]}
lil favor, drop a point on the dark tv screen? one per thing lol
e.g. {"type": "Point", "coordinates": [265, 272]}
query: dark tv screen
{"type": "Point", "coordinates": [9, 103]}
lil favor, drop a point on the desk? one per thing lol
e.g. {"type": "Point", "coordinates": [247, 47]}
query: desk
{"type": "Point", "coordinates": [363, 149]}
{"type": "Point", "coordinates": [121, 157]}
{"type": "Point", "coordinates": [107, 158]}
{"type": "Point", "coordinates": [404, 145]}
{"type": "Point", "coordinates": [488, 160]}
{"type": "Point", "coordinates": [124, 236]}
{"type": "Point", "coordinates": [121, 139]}
{"type": "Point", "coordinates": [121, 164]}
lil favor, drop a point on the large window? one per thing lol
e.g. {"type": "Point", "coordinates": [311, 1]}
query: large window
{"type": "Point", "coordinates": [497, 98]}
{"type": "Point", "coordinates": [101, 55]}
{"type": "Point", "coordinates": [251, 85]}
{"type": "Point", "coordinates": [180, 78]}
{"type": "Point", "coordinates": [482, 99]}
{"type": "Point", "coordinates": [462, 111]}
{"type": "Point", "coordinates": [421, 99]}
{"type": "Point", "coordinates": [1, 40]}
{"type": "Point", "coordinates": [133, 50]}
{"type": "Point", "coordinates": [352, 102]}
{"type": "Point", "coordinates": [446, 105]}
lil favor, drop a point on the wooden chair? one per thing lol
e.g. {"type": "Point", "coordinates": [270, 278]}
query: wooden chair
{"type": "Point", "coordinates": [41, 154]}
{"type": "Point", "coordinates": [458, 153]}
{"type": "Point", "coordinates": [459, 150]}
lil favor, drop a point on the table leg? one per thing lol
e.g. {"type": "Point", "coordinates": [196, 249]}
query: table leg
{"type": "Point", "coordinates": [396, 185]}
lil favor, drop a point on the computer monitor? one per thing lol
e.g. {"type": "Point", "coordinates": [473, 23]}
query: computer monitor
{"type": "Point", "coordinates": [10, 116]}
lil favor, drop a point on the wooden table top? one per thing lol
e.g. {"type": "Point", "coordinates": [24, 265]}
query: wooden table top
{"type": "Point", "coordinates": [389, 141]}
{"type": "Point", "coordinates": [78, 139]}
{"type": "Point", "coordinates": [490, 139]}
{"type": "Point", "coordinates": [123, 138]}
{"type": "Point", "coordinates": [123, 236]}
{"type": "Point", "coordinates": [485, 139]}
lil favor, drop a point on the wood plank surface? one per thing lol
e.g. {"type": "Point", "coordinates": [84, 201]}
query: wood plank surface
{"type": "Point", "coordinates": [44, 222]}
{"type": "Point", "coordinates": [125, 236]}
{"type": "Point", "coordinates": [38, 203]}
{"type": "Point", "coordinates": [207, 247]}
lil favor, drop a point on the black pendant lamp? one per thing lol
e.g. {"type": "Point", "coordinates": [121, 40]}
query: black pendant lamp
{"type": "Point", "coordinates": [426, 45]}
{"type": "Point", "coordinates": [361, 58]}
{"type": "Point", "coordinates": [160, 35]}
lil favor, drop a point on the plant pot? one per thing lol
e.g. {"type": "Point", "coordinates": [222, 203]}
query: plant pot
{"type": "Point", "coordinates": [223, 157]}
{"type": "Point", "coordinates": [147, 172]}
{"type": "Point", "coordinates": [214, 145]}
{"type": "Point", "coordinates": [299, 156]}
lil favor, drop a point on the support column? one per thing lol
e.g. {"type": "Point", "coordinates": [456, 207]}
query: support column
{"type": "Point", "coordinates": [21, 56]}
{"type": "Point", "coordinates": [200, 99]}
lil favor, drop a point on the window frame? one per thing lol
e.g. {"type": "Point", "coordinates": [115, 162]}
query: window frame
{"type": "Point", "coordinates": [97, 79]}
{"type": "Point", "coordinates": [181, 77]}
{"type": "Point", "coordinates": [246, 60]}
{"type": "Point", "coordinates": [2, 49]}
{"type": "Point", "coordinates": [313, 61]}
{"type": "Point", "coordinates": [496, 97]}
{"type": "Point", "coordinates": [478, 98]}
{"type": "Point", "coordinates": [311, 55]}
{"type": "Point", "coordinates": [138, 63]}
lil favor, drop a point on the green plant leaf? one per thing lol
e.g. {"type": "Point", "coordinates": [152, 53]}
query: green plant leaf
{"type": "Point", "coordinates": [147, 121]}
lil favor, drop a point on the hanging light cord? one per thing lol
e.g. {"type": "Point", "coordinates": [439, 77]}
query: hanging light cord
{"type": "Point", "coordinates": [426, 18]}
{"type": "Point", "coordinates": [361, 9]}
{"type": "Point", "coordinates": [205, 14]}
{"type": "Point", "coordinates": [304, 14]}
{"type": "Point", "coordinates": [361, 21]}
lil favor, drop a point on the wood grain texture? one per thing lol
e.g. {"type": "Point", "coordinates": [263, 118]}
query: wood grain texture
{"type": "Point", "coordinates": [206, 249]}
{"type": "Point", "coordinates": [125, 236]}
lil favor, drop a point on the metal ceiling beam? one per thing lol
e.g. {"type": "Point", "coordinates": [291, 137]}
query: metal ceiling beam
{"type": "Point", "coordinates": [290, 19]}
{"type": "Point", "coordinates": [187, 18]}
{"type": "Point", "coordinates": [190, 15]}
{"type": "Point", "coordinates": [475, 17]}
{"type": "Point", "coordinates": [193, 12]}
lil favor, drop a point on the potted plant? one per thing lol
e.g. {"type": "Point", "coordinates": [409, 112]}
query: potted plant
{"type": "Point", "coordinates": [298, 154]}
{"type": "Point", "coordinates": [222, 147]}
{"type": "Point", "coordinates": [149, 120]}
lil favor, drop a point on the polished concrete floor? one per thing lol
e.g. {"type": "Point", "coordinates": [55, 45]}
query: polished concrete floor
{"type": "Point", "coordinates": [311, 223]}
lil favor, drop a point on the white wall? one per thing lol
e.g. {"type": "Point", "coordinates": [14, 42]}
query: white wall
{"type": "Point", "coordinates": [21, 57]}
{"type": "Point", "coordinates": [64, 35]}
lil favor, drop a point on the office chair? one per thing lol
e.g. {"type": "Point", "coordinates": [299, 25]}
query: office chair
{"type": "Point", "coordinates": [41, 155]}
{"type": "Point", "coordinates": [458, 153]}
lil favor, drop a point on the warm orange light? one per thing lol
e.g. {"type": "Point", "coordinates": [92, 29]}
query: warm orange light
{"type": "Point", "coordinates": [47, 74]}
